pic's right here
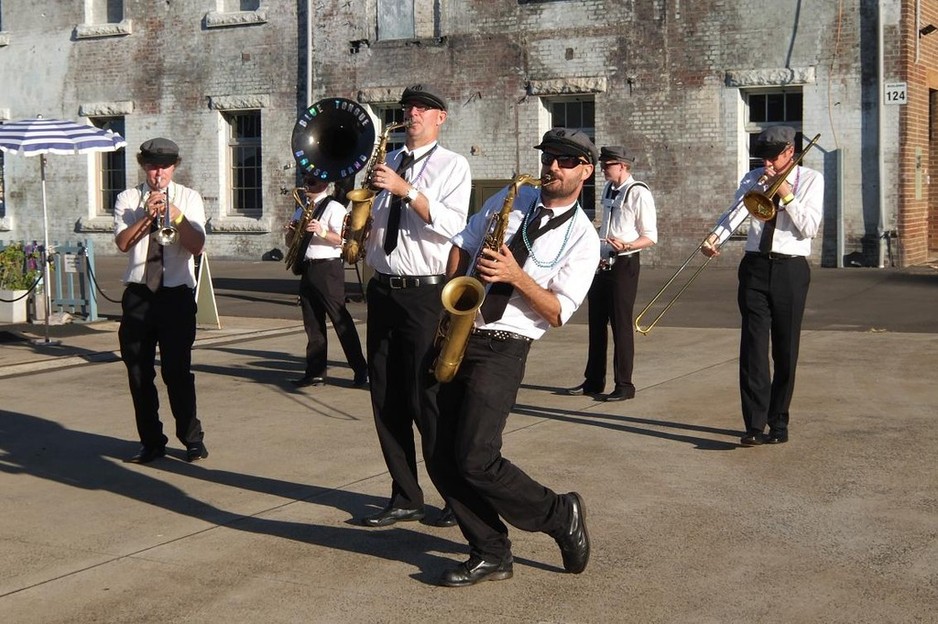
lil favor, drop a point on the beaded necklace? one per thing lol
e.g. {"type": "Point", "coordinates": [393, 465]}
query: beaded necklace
{"type": "Point", "coordinates": [527, 243]}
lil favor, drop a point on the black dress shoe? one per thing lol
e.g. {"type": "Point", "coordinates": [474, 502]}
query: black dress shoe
{"type": "Point", "coordinates": [447, 518]}
{"type": "Point", "coordinates": [392, 515]}
{"type": "Point", "coordinates": [147, 454]}
{"type": "Point", "coordinates": [195, 452]}
{"type": "Point", "coordinates": [308, 380]}
{"type": "Point", "coordinates": [621, 394]}
{"type": "Point", "coordinates": [575, 541]}
{"type": "Point", "coordinates": [583, 388]}
{"type": "Point", "coordinates": [475, 571]}
{"type": "Point", "coordinates": [776, 437]}
{"type": "Point", "coordinates": [753, 438]}
{"type": "Point", "coordinates": [361, 379]}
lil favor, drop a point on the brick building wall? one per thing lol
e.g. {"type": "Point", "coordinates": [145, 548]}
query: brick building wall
{"type": "Point", "coordinates": [667, 78]}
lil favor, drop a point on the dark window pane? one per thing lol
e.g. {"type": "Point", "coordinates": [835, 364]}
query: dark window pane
{"type": "Point", "coordinates": [793, 107]}
{"type": "Point", "coordinates": [775, 107]}
{"type": "Point", "coordinates": [756, 108]}
{"type": "Point", "coordinates": [558, 115]}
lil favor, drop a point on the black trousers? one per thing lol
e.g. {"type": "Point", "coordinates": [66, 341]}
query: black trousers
{"type": "Point", "coordinates": [322, 294]}
{"type": "Point", "coordinates": [771, 297]}
{"type": "Point", "coordinates": [482, 486]}
{"type": "Point", "coordinates": [165, 318]}
{"type": "Point", "coordinates": [612, 302]}
{"type": "Point", "coordinates": [402, 325]}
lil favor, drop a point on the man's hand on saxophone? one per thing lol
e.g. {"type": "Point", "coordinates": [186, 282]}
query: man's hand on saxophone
{"type": "Point", "coordinates": [499, 266]}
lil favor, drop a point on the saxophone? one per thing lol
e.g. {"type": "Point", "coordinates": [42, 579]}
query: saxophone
{"type": "Point", "coordinates": [463, 296]}
{"type": "Point", "coordinates": [301, 238]}
{"type": "Point", "coordinates": [358, 221]}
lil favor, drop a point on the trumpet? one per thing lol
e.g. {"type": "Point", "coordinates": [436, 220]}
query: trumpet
{"type": "Point", "coordinates": [759, 205]}
{"type": "Point", "coordinates": [166, 234]}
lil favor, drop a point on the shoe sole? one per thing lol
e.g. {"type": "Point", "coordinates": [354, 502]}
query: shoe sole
{"type": "Point", "coordinates": [494, 576]}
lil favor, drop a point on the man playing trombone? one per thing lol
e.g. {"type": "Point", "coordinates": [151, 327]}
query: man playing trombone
{"type": "Point", "coordinates": [773, 281]}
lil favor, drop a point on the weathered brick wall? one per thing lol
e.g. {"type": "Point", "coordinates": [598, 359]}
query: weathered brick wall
{"type": "Point", "coordinates": [665, 77]}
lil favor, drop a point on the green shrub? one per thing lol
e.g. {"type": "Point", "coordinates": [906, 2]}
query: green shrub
{"type": "Point", "coordinates": [19, 267]}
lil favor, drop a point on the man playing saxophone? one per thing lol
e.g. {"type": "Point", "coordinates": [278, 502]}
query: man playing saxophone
{"type": "Point", "coordinates": [537, 281]}
{"type": "Point", "coordinates": [423, 203]}
{"type": "Point", "coordinates": [322, 286]}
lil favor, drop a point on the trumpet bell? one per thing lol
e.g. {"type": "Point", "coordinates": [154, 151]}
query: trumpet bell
{"type": "Point", "coordinates": [167, 236]}
{"type": "Point", "coordinates": [759, 206]}
{"type": "Point", "coordinates": [333, 139]}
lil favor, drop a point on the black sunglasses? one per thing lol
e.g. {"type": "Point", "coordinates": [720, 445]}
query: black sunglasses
{"type": "Point", "coordinates": [564, 162]}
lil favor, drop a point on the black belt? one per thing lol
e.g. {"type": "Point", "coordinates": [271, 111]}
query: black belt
{"type": "Point", "coordinates": [409, 281]}
{"type": "Point", "coordinates": [319, 260]}
{"type": "Point", "coordinates": [772, 255]}
{"type": "Point", "coordinates": [500, 335]}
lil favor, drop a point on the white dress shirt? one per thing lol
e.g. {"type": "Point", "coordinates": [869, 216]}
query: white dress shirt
{"type": "Point", "coordinates": [178, 263]}
{"type": "Point", "coordinates": [332, 219]}
{"type": "Point", "coordinates": [630, 221]}
{"type": "Point", "coordinates": [572, 250]}
{"type": "Point", "coordinates": [797, 223]}
{"type": "Point", "coordinates": [444, 179]}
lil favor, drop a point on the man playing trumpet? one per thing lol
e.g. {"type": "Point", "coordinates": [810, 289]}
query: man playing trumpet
{"type": "Point", "coordinates": [773, 282]}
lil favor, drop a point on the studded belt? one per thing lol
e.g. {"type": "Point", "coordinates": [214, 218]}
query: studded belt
{"type": "Point", "coordinates": [772, 255]}
{"type": "Point", "coordinates": [408, 281]}
{"type": "Point", "coordinates": [500, 335]}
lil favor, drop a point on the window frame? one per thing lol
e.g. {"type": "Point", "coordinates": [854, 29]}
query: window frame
{"type": "Point", "coordinates": [237, 188]}
{"type": "Point", "coordinates": [589, 194]}
{"type": "Point", "coordinates": [115, 162]}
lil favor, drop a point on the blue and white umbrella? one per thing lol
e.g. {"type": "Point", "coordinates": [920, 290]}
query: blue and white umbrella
{"type": "Point", "coordinates": [38, 137]}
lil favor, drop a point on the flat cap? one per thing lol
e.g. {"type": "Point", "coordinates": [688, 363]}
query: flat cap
{"type": "Point", "coordinates": [158, 151]}
{"type": "Point", "coordinates": [772, 141]}
{"type": "Point", "coordinates": [569, 141]}
{"type": "Point", "coordinates": [615, 153]}
{"type": "Point", "coordinates": [424, 94]}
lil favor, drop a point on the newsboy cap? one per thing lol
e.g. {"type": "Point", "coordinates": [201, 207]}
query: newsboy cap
{"type": "Point", "coordinates": [772, 141]}
{"type": "Point", "coordinates": [569, 141]}
{"type": "Point", "coordinates": [615, 153]}
{"type": "Point", "coordinates": [158, 151]}
{"type": "Point", "coordinates": [424, 94]}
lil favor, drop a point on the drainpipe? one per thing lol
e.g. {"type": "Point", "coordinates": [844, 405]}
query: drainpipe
{"type": "Point", "coordinates": [309, 52]}
{"type": "Point", "coordinates": [881, 228]}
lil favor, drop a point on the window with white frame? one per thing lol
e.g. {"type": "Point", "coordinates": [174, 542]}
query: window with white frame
{"type": "Point", "coordinates": [104, 11]}
{"type": "Point", "coordinates": [110, 169]}
{"type": "Point", "coordinates": [577, 113]}
{"type": "Point", "coordinates": [231, 6]}
{"type": "Point", "coordinates": [407, 19]}
{"type": "Point", "coordinates": [391, 114]}
{"type": "Point", "coordinates": [244, 163]}
{"type": "Point", "coordinates": [767, 108]}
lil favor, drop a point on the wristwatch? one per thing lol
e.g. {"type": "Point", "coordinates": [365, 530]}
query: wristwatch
{"type": "Point", "coordinates": [412, 194]}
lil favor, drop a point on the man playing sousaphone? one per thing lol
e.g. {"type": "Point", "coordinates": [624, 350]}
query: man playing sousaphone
{"type": "Point", "coordinates": [537, 281]}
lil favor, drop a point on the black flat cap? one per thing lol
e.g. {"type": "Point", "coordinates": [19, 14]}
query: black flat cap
{"type": "Point", "coordinates": [424, 94]}
{"type": "Point", "coordinates": [772, 141]}
{"type": "Point", "coordinates": [615, 153]}
{"type": "Point", "coordinates": [569, 141]}
{"type": "Point", "coordinates": [158, 151]}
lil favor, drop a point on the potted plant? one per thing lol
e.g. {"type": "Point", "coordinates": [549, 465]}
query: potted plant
{"type": "Point", "coordinates": [19, 271]}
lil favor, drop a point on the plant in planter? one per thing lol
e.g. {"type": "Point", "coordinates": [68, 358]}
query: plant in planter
{"type": "Point", "coordinates": [19, 267]}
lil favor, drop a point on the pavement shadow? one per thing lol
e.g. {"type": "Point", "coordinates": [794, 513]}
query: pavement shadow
{"type": "Point", "coordinates": [628, 424]}
{"type": "Point", "coordinates": [44, 449]}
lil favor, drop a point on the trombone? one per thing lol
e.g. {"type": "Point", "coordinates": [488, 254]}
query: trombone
{"type": "Point", "coordinates": [758, 204]}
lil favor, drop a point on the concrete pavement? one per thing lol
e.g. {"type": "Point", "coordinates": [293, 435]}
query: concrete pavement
{"type": "Point", "coordinates": [838, 525]}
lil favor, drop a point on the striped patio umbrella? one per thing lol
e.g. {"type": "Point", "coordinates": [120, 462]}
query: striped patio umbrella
{"type": "Point", "coordinates": [38, 137]}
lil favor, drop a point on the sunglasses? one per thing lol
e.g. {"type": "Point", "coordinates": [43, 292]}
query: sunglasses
{"type": "Point", "coordinates": [417, 108]}
{"type": "Point", "coordinates": [564, 162]}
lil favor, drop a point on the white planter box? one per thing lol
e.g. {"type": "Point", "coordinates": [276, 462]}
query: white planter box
{"type": "Point", "coordinates": [13, 312]}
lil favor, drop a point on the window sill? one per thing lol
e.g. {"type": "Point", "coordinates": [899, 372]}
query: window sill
{"type": "Point", "coordinates": [4, 39]}
{"type": "Point", "coordinates": [90, 225]}
{"type": "Point", "coordinates": [6, 224]}
{"type": "Point", "coordinates": [419, 42]}
{"type": "Point", "coordinates": [215, 19]}
{"type": "Point", "coordinates": [93, 31]}
{"type": "Point", "coordinates": [238, 225]}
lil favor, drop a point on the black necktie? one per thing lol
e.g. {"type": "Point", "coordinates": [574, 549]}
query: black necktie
{"type": "Point", "coordinates": [768, 230]}
{"type": "Point", "coordinates": [613, 193]}
{"type": "Point", "coordinates": [396, 207]}
{"type": "Point", "coordinates": [153, 273]}
{"type": "Point", "coordinates": [496, 300]}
